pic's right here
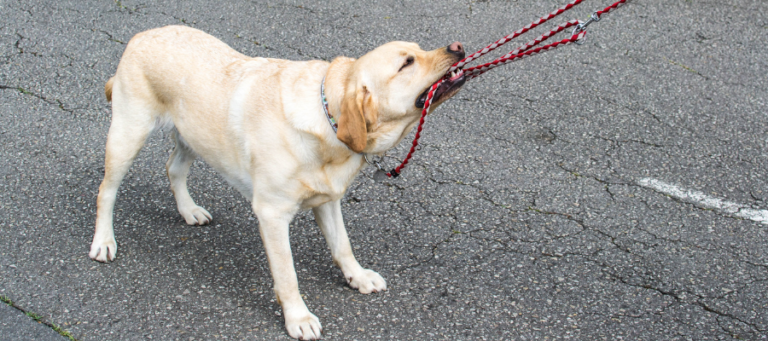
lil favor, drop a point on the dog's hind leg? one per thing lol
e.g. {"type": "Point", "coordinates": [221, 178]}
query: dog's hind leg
{"type": "Point", "coordinates": [177, 168]}
{"type": "Point", "coordinates": [132, 121]}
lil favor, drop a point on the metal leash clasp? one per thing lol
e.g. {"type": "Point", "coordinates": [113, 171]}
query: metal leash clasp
{"type": "Point", "coordinates": [583, 26]}
{"type": "Point", "coordinates": [380, 174]}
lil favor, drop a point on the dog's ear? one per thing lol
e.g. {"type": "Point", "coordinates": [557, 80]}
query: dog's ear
{"type": "Point", "coordinates": [358, 111]}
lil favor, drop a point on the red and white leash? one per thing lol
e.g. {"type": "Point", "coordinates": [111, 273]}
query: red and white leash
{"type": "Point", "coordinates": [526, 50]}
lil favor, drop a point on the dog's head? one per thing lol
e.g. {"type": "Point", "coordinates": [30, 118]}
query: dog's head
{"type": "Point", "coordinates": [385, 91]}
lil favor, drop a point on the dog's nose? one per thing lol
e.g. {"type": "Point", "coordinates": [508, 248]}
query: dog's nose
{"type": "Point", "coordinates": [456, 49]}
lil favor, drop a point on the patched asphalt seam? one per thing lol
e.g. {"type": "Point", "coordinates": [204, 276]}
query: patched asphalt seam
{"type": "Point", "coordinates": [37, 318]}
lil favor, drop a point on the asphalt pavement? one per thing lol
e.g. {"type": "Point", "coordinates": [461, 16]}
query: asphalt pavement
{"type": "Point", "coordinates": [608, 191]}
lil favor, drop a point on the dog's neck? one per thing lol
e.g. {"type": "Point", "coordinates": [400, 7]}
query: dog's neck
{"type": "Point", "coordinates": [335, 83]}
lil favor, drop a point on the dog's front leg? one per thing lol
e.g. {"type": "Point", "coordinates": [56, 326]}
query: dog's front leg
{"type": "Point", "coordinates": [328, 216]}
{"type": "Point", "coordinates": [273, 227]}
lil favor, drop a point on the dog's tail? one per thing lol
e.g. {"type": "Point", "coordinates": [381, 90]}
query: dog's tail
{"type": "Point", "coordinates": [108, 89]}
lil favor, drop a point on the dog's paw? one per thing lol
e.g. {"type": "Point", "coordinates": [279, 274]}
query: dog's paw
{"type": "Point", "coordinates": [196, 215]}
{"type": "Point", "coordinates": [367, 281]}
{"type": "Point", "coordinates": [103, 250]}
{"type": "Point", "coordinates": [303, 325]}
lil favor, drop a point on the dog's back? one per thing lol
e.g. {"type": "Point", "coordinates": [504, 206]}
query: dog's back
{"type": "Point", "coordinates": [171, 62]}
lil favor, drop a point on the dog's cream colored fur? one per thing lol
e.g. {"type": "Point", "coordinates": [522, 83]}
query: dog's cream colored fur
{"type": "Point", "coordinates": [259, 122]}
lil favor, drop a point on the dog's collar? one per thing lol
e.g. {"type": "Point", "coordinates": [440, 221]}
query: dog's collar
{"type": "Point", "coordinates": [380, 174]}
{"type": "Point", "coordinates": [331, 120]}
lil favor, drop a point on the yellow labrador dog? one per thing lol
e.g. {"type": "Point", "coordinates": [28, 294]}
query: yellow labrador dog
{"type": "Point", "coordinates": [260, 123]}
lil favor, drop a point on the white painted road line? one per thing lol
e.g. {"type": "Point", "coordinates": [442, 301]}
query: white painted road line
{"type": "Point", "coordinates": [701, 199]}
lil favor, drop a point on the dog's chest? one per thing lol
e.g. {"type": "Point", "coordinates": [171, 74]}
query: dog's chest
{"type": "Point", "coordinates": [328, 182]}
{"type": "Point", "coordinates": [315, 200]}
{"type": "Point", "coordinates": [313, 196]}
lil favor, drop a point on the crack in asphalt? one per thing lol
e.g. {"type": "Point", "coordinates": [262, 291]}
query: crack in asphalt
{"type": "Point", "coordinates": [21, 50]}
{"type": "Point", "coordinates": [56, 102]}
{"type": "Point", "coordinates": [681, 299]}
{"type": "Point", "coordinates": [130, 11]}
{"type": "Point", "coordinates": [109, 36]}
{"type": "Point", "coordinates": [619, 142]}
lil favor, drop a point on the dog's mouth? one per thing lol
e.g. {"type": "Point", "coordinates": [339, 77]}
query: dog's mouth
{"type": "Point", "coordinates": [448, 88]}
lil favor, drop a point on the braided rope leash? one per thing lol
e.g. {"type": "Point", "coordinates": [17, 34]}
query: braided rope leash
{"type": "Point", "coordinates": [577, 36]}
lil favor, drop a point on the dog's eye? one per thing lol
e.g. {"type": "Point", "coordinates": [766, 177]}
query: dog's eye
{"type": "Point", "coordinates": [408, 61]}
